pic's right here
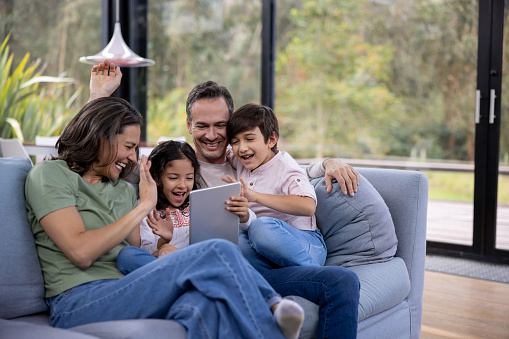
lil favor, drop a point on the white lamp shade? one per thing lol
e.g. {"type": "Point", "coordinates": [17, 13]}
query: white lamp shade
{"type": "Point", "coordinates": [118, 53]}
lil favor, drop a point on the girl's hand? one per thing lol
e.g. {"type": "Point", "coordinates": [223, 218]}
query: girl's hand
{"type": "Point", "coordinates": [165, 250]}
{"type": "Point", "coordinates": [239, 206]}
{"type": "Point", "coordinates": [147, 186]}
{"type": "Point", "coordinates": [245, 191]}
{"type": "Point", "coordinates": [161, 227]}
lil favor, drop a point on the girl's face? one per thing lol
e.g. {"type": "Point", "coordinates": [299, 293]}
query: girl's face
{"type": "Point", "coordinates": [177, 181]}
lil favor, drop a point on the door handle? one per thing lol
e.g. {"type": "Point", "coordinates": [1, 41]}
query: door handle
{"type": "Point", "coordinates": [477, 106]}
{"type": "Point", "coordinates": [493, 96]}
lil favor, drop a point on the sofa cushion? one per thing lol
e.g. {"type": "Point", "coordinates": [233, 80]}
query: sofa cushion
{"type": "Point", "coordinates": [383, 285]}
{"type": "Point", "coordinates": [21, 282]}
{"type": "Point", "coordinates": [134, 329]}
{"type": "Point", "coordinates": [357, 230]}
{"type": "Point", "coordinates": [24, 330]}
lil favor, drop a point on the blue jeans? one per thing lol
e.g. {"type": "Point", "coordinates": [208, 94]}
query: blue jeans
{"type": "Point", "coordinates": [335, 289]}
{"type": "Point", "coordinates": [131, 258]}
{"type": "Point", "coordinates": [271, 243]}
{"type": "Point", "coordinates": [207, 288]}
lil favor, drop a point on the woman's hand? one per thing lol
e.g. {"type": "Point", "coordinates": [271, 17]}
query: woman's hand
{"type": "Point", "coordinates": [161, 227]}
{"type": "Point", "coordinates": [147, 186]}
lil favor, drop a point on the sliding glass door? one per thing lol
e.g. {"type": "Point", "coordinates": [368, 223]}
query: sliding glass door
{"type": "Point", "coordinates": [404, 84]}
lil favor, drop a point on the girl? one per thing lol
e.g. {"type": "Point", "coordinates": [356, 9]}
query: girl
{"type": "Point", "coordinates": [176, 171]}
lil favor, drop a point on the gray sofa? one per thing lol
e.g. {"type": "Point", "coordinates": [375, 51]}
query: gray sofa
{"type": "Point", "coordinates": [391, 287]}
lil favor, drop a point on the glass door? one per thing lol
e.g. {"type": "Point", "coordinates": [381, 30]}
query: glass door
{"type": "Point", "coordinates": [409, 85]}
{"type": "Point", "coordinates": [385, 84]}
{"type": "Point", "coordinates": [502, 220]}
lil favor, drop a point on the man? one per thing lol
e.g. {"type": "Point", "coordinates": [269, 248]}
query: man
{"type": "Point", "coordinates": [208, 108]}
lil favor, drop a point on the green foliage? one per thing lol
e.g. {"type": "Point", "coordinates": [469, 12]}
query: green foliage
{"type": "Point", "coordinates": [167, 116]}
{"type": "Point", "coordinates": [331, 83]}
{"type": "Point", "coordinates": [28, 108]}
{"type": "Point", "coordinates": [459, 186]}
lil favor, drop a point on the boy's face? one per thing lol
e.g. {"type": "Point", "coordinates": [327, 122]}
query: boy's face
{"type": "Point", "coordinates": [251, 149]}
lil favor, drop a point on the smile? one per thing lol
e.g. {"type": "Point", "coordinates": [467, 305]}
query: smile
{"type": "Point", "coordinates": [120, 166]}
{"type": "Point", "coordinates": [179, 197]}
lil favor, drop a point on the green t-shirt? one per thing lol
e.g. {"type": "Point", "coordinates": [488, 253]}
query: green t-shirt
{"type": "Point", "coordinates": [51, 186]}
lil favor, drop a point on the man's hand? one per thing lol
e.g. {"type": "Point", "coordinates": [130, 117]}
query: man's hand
{"type": "Point", "coordinates": [104, 80]}
{"type": "Point", "coordinates": [161, 227]}
{"type": "Point", "coordinates": [346, 175]}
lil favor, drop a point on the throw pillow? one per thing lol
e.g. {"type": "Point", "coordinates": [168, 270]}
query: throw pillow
{"type": "Point", "coordinates": [357, 230]}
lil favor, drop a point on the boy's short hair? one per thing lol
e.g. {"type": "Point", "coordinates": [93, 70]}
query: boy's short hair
{"type": "Point", "coordinates": [249, 117]}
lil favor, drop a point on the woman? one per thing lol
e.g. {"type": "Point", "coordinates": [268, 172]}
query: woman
{"type": "Point", "coordinates": [81, 215]}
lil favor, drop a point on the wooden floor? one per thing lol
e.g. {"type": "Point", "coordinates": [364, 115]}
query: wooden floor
{"type": "Point", "coordinates": [462, 307]}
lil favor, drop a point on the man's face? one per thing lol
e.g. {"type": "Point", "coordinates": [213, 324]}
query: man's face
{"type": "Point", "coordinates": [208, 128]}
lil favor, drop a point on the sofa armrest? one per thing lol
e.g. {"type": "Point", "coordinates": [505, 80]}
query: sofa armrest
{"type": "Point", "coordinates": [406, 195]}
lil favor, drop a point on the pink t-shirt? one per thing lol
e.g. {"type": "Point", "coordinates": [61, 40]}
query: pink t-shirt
{"type": "Point", "coordinates": [280, 176]}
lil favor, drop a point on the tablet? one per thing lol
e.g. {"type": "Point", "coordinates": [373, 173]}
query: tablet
{"type": "Point", "coordinates": [208, 217]}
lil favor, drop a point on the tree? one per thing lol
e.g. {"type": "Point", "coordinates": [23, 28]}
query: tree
{"type": "Point", "coordinates": [331, 82]}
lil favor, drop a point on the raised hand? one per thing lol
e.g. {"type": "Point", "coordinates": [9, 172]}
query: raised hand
{"type": "Point", "coordinates": [245, 191]}
{"type": "Point", "coordinates": [104, 80]}
{"type": "Point", "coordinates": [161, 227]}
{"type": "Point", "coordinates": [147, 186]}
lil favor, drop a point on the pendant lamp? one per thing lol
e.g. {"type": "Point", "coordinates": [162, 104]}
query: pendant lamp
{"type": "Point", "coordinates": [117, 51]}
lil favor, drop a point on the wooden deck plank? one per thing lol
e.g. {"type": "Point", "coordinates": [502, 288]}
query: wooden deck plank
{"type": "Point", "coordinates": [452, 222]}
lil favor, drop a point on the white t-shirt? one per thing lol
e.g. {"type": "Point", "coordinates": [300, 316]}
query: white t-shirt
{"type": "Point", "coordinates": [180, 219]}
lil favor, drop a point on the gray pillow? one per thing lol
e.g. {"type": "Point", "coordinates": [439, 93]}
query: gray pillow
{"type": "Point", "coordinates": [357, 230]}
{"type": "Point", "coordinates": [21, 282]}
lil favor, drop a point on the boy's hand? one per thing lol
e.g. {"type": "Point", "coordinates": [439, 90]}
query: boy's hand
{"type": "Point", "coordinates": [161, 227]}
{"type": "Point", "coordinates": [104, 80]}
{"type": "Point", "coordinates": [245, 191]}
{"type": "Point", "coordinates": [239, 206]}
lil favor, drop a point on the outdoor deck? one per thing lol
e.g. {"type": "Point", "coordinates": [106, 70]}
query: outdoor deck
{"type": "Point", "coordinates": [452, 222]}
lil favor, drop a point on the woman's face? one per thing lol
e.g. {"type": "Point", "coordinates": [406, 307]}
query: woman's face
{"type": "Point", "coordinates": [125, 147]}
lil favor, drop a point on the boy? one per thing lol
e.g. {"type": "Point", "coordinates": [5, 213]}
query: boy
{"type": "Point", "coordinates": [285, 233]}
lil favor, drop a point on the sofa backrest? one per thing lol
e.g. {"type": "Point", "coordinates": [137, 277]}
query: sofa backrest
{"type": "Point", "coordinates": [21, 282]}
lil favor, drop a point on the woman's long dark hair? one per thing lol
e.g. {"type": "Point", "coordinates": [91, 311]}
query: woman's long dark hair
{"type": "Point", "coordinates": [161, 156]}
{"type": "Point", "coordinates": [93, 130]}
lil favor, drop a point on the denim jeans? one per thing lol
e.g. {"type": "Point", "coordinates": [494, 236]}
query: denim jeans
{"type": "Point", "coordinates": [271, 243]}
{"type": "Point", "coordinates": [335, 289]}
{"type": "Point", "coordinates": [131, 258]}
{"type": "Point", "coordinates": [207, 288]}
